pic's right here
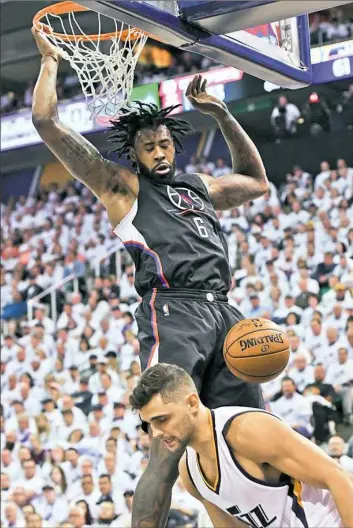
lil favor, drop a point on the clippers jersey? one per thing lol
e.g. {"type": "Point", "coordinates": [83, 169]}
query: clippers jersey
{"type": "Point", "coordinates": [174, 237]}
{"type": "Point", "coordinates": [287, 504]}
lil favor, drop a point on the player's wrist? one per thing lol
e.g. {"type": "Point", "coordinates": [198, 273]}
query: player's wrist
{"type": "Point", "coordinates": [48, 56]}
{"type": "Point", "coordinates": [220, 112]}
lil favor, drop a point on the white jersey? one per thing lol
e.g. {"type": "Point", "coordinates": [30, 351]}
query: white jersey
{"type": "Point", "coordinates": [287, 504]}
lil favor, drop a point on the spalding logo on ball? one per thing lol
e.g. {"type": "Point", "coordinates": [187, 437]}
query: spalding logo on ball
{"type": "Point", "coordinates": [256, 350]}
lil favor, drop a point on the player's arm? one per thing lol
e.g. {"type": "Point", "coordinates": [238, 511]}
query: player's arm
{"type": "Point", "coordinates": [293, 455]}
{"type": "Point", "coordinates": [114, 185]}
{"type": "Point", "coordinates": [219, 518]}
{"type": "Point", "coordinates": [249, 180]}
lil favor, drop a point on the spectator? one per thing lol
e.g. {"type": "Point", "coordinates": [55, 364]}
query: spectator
{"type": "Point", "coordinates": [107, 515]}
{"type": "Point", "coordinates": [221, 168]}
{"type": "Point", "coordinates": [321, 385]}
{"type": "Point", "coordinates": [293, 408]}
{"type": "Point", "coordinates": [13, 517]}
{"type": "Point", "coordinates": [336, 448]}
{"type": "Point", "coordinates": [284, 118]}
{"type": "Point", "coordinates": [88, 493]}
{"type": "Point", "coordinates": [340, 375]}
{"type": "Point", "coordinates": [125, 518]}
{"type": "Point", "coordinates": [32, 481]}
{"type": "Point", "coordinates": [107, 494]}
{"type": "Point", "coordinates": [85, 507]}
{"type": "Point", "coordinates": [324, 270]}
{"type": "Point", "coordinates": [301, 373]}
{"type": "Point", "coordinates": [50, 507]}
{"type": "Point", "coordinates": [77, 517]}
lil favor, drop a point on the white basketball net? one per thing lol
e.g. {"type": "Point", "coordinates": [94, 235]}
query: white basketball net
{"type": "Point", "coordinates": [105, 68]}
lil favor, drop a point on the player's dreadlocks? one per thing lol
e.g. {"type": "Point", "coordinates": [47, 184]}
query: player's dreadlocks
{"type": "Point", "coordinates": [146, 115]}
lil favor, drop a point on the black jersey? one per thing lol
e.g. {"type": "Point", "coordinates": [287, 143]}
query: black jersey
{"type": "Point", "coordinates": [174, 237]}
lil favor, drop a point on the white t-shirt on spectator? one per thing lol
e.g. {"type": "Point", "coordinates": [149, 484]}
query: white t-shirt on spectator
{"type": "Point", "coordinates": [53, 513]}
{"type": "Point", "coordinates": [302, 378]}
{"type": "Point", "coordinates": [295, 411]}
{"type": "Point", "coordinates": [340, 373]}
{"type": "Point", "coordinates": [33, 484]}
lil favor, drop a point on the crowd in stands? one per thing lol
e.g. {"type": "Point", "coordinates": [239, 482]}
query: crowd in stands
{"type": "Point", "coordinates": [330, 25]}
{"type": "Point", "coordinates": [71, 449]}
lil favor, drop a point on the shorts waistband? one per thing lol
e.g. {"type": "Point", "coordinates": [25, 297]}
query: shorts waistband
{"type": "Point", "coordinates": [188, 294]}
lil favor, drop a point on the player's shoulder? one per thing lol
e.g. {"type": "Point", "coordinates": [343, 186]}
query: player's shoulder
{"type": "Point", "coordinates": [205, 178]}
{"type": "Point", "coordinates": [249, 424]}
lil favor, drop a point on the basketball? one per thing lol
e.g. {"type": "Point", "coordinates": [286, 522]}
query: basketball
{"type": "Point", "coordinates": [256, 350]}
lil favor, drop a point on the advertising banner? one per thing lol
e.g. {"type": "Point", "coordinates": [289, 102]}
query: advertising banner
{"type": "Point", "coordinates": [333, 62]}
{"type": "Point", "coordinates": [172, 91]}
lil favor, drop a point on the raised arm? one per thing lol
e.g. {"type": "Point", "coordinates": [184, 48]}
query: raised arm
{"type": "Point", "coordinates": [219, 518]}
{"type": "Point", "coordinates": [293, 455]}
{"type": "Point", "coordinates": [114, 185]}
{"type": "Point", "coordinates": [249, 180]}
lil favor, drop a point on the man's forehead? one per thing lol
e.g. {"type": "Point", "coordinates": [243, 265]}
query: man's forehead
{"type": "Point", "coordinates": [153, 134]}
{"type": "Point", "coordinates": [155, 407]}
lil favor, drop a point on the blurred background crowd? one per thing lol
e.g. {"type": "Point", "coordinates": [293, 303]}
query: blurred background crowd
{"type": "Point", "coordinates": [72, 451]}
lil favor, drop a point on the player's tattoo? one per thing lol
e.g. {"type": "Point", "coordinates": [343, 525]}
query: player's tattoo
{"type": "Point", "coordinates": [245, 156]}
{"type": "Point", "coordinates": [90, 167]}
{"type": "Point", "coordinates": [232, 193]}
{"type": "Point", "coordinates": [249, 181]}
{"type": "Point", "coordinates": [151, 503]}
{"type": "Point", "coordinates": [81, 153]}
{"type": "Point", "coordinates": [153, 493]}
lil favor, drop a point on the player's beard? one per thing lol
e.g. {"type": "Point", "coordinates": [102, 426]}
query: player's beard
{"type": "Point", "coordinates": [154, 176]}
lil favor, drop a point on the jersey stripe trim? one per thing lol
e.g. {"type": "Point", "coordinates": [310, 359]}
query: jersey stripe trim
{"type": "Point", "coordinates": [217, 484]}
{"type": "Point", "coordinates": [295, 488]}
{"type": "Point", "coordinates": [188, 469]}
{"type": "Point", "coordinates": [131, 236]}
{"type": "Point", "coordinates": [154, 255]}
{"type": "Point", "coordinates": [154, 355]}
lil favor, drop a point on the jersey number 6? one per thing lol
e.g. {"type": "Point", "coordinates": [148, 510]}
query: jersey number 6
{"type": "Point", "coordinates": [200, 227]}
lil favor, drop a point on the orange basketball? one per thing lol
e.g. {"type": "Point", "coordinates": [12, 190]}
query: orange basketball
{"type": "Point", "coordinates": [256, 350]}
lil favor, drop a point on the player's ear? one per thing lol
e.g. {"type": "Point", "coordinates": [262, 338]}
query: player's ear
{"type": "Point", "coordinates": [193, 401]}
{"type": "Point", "coordinates": [132, 154]}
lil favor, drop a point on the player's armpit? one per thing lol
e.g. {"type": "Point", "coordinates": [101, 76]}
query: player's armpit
{"type": "Point", "coordinates": [233, 190]}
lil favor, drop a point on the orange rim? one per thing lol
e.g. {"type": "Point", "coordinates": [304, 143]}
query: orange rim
{"type": "Point", "coordinates": [62, 8]}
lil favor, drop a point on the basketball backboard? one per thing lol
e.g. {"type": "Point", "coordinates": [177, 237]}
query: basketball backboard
{"type": "Point", "coordinates": [265, 38]}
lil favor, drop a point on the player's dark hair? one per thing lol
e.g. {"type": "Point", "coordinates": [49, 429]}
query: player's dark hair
{"type": "Point", "coordinates": [166, 380]}
{"type": "Point", "coordinates": [145, 115]}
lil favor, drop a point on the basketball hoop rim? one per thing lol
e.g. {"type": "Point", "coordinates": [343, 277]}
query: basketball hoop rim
{"type": "Point", "coordinates": [62, 8]}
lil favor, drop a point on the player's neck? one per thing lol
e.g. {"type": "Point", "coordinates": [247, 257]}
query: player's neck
{"type": "Point", "coordinates": [203, 434]}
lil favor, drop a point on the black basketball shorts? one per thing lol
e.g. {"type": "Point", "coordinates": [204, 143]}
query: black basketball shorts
{"type": "Point", "coordinates": [188, 328]}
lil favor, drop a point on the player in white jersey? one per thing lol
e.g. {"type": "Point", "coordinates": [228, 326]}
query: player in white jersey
{"type": "Point", "coordinates": [246, 466]}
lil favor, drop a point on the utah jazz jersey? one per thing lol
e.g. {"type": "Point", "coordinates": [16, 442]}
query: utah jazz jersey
{"type": "Point", "coordinates": [287, 504]}
{"type": "Point", "coordinates": [174, 237]}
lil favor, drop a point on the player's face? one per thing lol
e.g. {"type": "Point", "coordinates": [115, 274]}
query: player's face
{"type": "Point", "coordinates": [173, 423]}
{"type": "Point", "coordinates": [154, 153]}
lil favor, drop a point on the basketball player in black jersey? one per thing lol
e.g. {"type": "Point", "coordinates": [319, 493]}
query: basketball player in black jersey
{"type": "Point", "coordinates": [169, 226]}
